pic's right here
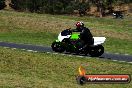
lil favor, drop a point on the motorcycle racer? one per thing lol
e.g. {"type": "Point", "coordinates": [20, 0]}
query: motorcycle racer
{"type": "Point", "coordinates": [86, 37]}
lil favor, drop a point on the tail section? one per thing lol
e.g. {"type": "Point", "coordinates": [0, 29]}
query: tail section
{"type": "Point", "coordinates": [99, 40]}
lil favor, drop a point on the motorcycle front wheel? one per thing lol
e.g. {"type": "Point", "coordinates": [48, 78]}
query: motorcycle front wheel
{"type": "Point", "coordinates": [57, 47]}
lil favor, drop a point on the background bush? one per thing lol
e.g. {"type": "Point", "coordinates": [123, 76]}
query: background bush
{"type": "Point", "coordinates": [61, 6]}
{"type": "Point", "coordinates": [48, 6]}
{"type": "Point", "coordinates": [2, 4]}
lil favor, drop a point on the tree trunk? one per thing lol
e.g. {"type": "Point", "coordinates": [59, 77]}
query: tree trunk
{"type": "Point", "coordinates": [101, 8]}
{"type": "Point", "coordinates": [7, 2]}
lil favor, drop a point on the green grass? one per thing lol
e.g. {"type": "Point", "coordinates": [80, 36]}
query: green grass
{"type": "Point", "coordinates": [118, 25]}
{"type": "Point", "coordinates": [42, 29]}
{"type": "Point", "coordinates": [39, 38]}
{"type": "Point", "coordinates": [40, 70]}
{"type": "Point", "coordinates": [118, 45]}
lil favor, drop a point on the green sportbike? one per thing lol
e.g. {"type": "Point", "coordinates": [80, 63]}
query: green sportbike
{"type": "Point", "coordinates": [70, 42]}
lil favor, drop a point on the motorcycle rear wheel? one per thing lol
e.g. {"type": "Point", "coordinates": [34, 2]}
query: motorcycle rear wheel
{"type": "Point", "coordinates": [96, 51]}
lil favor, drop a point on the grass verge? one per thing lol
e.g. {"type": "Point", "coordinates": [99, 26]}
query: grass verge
{"type": "Point", "coordinates": [38, 38]}
{"type": "Point", "coordinates": [41, 70]}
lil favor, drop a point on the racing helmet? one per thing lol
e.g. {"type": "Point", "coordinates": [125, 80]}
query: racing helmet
{"type": "Point", "coordinates": [79, 24]}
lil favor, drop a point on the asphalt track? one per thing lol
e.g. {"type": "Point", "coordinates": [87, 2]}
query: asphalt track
{"type": "Point", "coordinates": [115, 57]}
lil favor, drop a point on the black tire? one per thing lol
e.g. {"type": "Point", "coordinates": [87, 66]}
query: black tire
{"type": "Point", "coordinates": [81, 80]}
{"type": "Point", "coordinates": [121, 16]}
{"type": "Point", "coordinates": [57, 47]}
{"type": "Point", "coordinates": [96, 51]}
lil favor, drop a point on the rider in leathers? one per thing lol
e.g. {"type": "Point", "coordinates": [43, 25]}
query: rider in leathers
{"type": "Point", "coordinates": [85, 35]}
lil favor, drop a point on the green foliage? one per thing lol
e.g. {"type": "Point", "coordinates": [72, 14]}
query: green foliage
{"type": "Point", "coordinates": [19, 4]}
{"type": "Point", "coordinates": [60, 6]}
{"type": "Point", "coordinates": [69, 9]}
{"type": "Point", "coordinates": [42, 6]}
{"type": "Point", "coordinates": [48, 6]}
{"type": "Point", "coordinates": [2, 4]}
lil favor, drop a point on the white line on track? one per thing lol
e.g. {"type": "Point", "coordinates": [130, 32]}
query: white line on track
{"type": "Point", "coordinates": [55, 53]}
{"type": "Point", "coordinates": [70, 55]}
{"type": "Point", "coordinates": [116, 53]}
{"type": "Point", "coordinates": [48, 52]}
{"type": "Point", "coordinates": [35, 51]}
{"type": "Point", "coordinates": [129, 62]}
{"type": "Point", "coordinates": [114, 60]}
{"type": "Point", "coordinates": [23, 49]}
{"type": "Point", "coordinates": [106, 52]}
{"type": "Point", "coordinates": [126, 54]}
{"type": "Point", "coordinates": [30, 50]}
{"type": "Point", "coordinates": [122, 61]}
{"type": "Point", "coordinates": [13, 48]}
{"type": "Point", "coordinates": [80, 56]}
{"type": "Point", "coordinates": [63, 54]}
{"type": "Point", "coordinates": [96, 58]}
{"type": "Point", "coordinates": [6, 47]}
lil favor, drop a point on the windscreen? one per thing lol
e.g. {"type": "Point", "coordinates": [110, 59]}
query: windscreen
{"type": "Point", "coordinates": [65, 32]}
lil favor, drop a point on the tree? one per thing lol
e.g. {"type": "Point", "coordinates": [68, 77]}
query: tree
{"type": "Point", "coordinates": [63, 6]}
{"type": "Point", "coordinates": [2, 4]}
{"type": "Point", "coordinates": [102, 5]}
{"type": "Point", "coordinates": [19, 4]}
